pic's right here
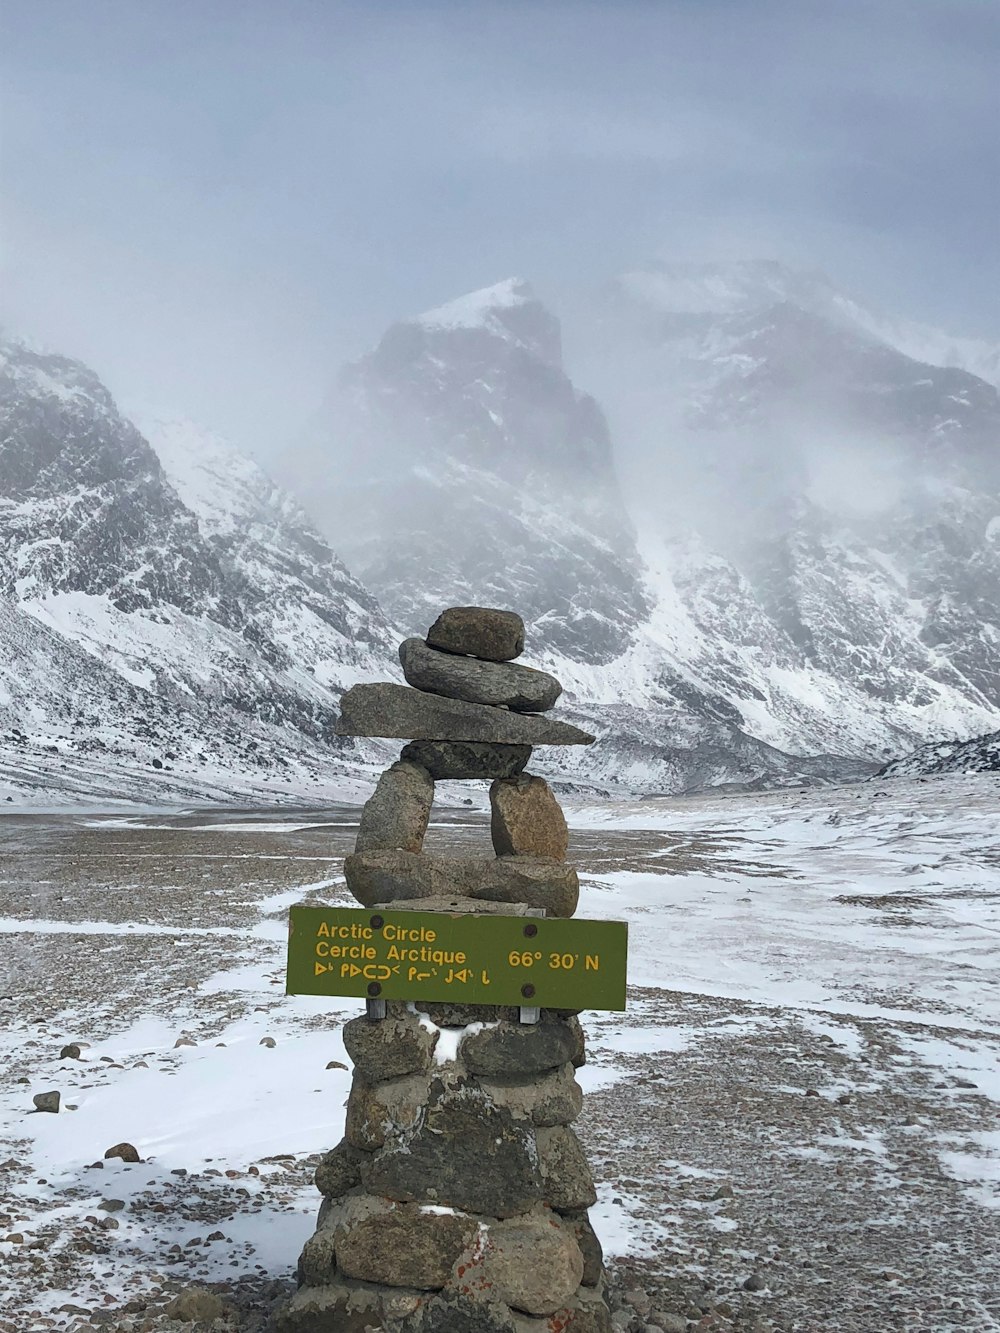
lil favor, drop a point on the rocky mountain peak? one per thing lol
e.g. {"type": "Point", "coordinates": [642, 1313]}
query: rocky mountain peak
{"type": "Point", "coordinates": [463, 465]}
{"type": "Point", "coordinates": [509, 310]}
{"type": "Point", "coordinates": [60, 425]}
{"type": "Point", "coordinates": [189, 596]}
{"type": "Point", "coordinates": [85, 507]}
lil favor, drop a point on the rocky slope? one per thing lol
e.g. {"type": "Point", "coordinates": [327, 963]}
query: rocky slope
{"type": "Point", "coordinates": [981, 754]}
{"type": "Point", "coordinates": [74, 729]}
{"type": "Point", "coordinates": [300, 606]}
{"type": "Point", "coordinates": [192, 613]}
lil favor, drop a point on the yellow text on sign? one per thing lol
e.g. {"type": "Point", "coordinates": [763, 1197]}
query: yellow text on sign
{"type": "Point", "coordinates": [468, 958]}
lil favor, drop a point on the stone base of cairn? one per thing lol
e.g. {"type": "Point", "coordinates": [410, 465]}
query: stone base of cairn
{"type": "Point", "coordinates": [457, 1200]}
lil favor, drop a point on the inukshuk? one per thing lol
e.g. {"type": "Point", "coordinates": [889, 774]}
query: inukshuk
{"type": "Point", "coordinates": [457, 1200]}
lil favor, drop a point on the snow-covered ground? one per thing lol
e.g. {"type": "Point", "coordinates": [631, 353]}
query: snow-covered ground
{"type": "Point", "coordinates": [876, 899]}
{"type": "Point", "coordinates": [804, 1088]}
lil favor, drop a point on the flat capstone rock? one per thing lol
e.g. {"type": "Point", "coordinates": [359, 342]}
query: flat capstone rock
{"type": "Point", "coordinates": [386, 709]}
{"type": "Point", "coordinates": [501, 684]}
{"type": "Point", "coordinates": [467, 759]}
{"type": "Point", "coordinates": [479, 631]}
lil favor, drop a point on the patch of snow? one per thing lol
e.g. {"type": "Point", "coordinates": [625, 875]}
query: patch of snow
{"type": "Point", "coordinates": [473, 310]}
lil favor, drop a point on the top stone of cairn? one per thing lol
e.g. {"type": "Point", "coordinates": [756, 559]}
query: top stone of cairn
{"type": "Point", "coordinates": [478, 631]}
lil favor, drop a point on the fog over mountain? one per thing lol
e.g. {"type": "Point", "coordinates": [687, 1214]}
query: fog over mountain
{"type": "Point", "coordinates": [778, 416]}
{"type": "Point", "coordinates": [805, 556]}
{"type": "Point", "coordinates": [215, 206]}
{"type": "Point", "coordinates": [467, 459]}
{"type": "Point", "coordinates": [756, 539]}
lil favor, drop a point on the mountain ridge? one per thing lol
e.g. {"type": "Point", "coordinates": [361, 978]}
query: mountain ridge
{"type": "Point", "coordinates": [777, 615]}
{"type": "Point", "coordinates": [209, 642]}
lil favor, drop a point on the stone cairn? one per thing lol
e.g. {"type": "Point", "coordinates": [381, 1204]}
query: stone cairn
{"type": "Point", "coordinates": [457, 1200]}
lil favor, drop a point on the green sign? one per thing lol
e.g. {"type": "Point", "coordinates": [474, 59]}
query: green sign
{"type": "Point", "coordinates": [467, 959]}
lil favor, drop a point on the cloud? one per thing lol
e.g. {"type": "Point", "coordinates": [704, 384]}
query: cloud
{"type": "Point", "coordinates": [546, 127]}
{"type": "Point", "coordinates": [217, 203]}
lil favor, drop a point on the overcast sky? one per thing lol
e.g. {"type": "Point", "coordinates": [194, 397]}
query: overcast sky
{"type": "Point", "coordinates": [214, 202]}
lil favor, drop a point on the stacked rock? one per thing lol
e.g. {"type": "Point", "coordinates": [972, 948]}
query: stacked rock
{"type": "Point", "coordinates": [469, 711]}
{"type": "Point", "coordinates": [457, 1200]}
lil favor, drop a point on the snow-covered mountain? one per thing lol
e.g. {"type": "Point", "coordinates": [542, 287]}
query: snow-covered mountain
{"type": "Point", "coordinates": [785, 567]}
{"type": "Point", "coordinates": [815, 569]}
{"type": "Point", "coordinates": [192, 598]}
{"type": "Point", "coordinates": [678, 289]}
{"type": "Point", "coordinates": [462, 464]}
{"type": "Point", "coordinates": [301, 607]}
{"type": "Point", "coordinates": [74, 729]}
{"type": "Point", "coordinates": [821, 507]}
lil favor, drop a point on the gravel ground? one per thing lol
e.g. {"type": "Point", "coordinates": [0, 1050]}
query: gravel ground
{"type": "Point", "coordinates": [776, 1167]}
